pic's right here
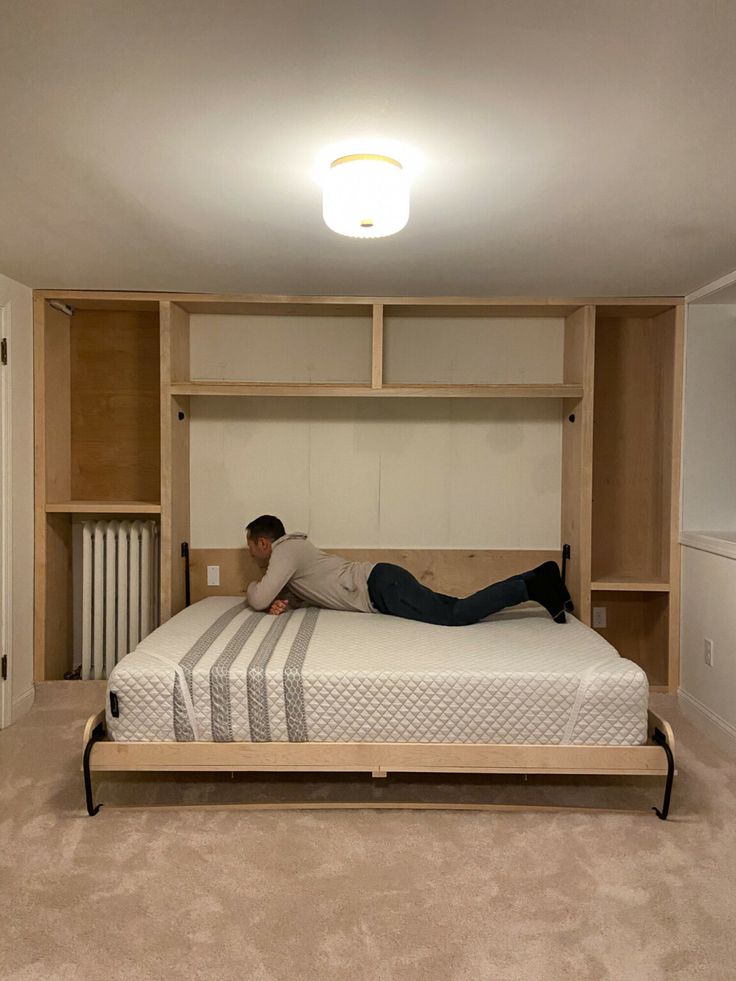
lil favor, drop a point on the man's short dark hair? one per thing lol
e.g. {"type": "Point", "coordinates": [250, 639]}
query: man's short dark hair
{"type": "Point", "coordinates": [267, 526]}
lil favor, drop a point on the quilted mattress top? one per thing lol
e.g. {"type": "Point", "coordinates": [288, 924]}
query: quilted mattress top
{"type": "Point", "coordinates": [220, 671]}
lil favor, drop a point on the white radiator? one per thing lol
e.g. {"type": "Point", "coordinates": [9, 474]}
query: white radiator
{"type": "Point", "coordinates": [120, 587]}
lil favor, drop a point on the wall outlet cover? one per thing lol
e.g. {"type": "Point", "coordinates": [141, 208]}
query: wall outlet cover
{"type": "Point", "coordinates": [599, 617]}
{"type": "Point", "coordinates": [708, 652]}
{"type": "Point", "coordinates": [213, 575]}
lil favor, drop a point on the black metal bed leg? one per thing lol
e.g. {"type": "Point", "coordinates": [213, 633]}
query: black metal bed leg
{"type": "Point", "coordinates": [659, 737]}
{"type": "Point", "coordinates": [98, 733]}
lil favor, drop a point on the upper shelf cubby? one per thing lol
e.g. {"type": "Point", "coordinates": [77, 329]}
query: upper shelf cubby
{"type": "Point", "coordinates": [472, 345]}
{"type": "Point", "coordinates": [354, 348]}
{"type": "Point", "coordinates": [286, 344]}
{"type": "Point", "coordinates": [100, 419]}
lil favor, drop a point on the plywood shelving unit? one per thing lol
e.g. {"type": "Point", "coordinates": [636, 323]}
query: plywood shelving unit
{"type": "Point", "coordinates": [636, 479]}
{"type": "Point", "coordinates": [113, 396]}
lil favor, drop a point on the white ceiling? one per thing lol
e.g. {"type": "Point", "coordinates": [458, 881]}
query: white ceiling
{"type": "Point", "coordinates": [573, 147]}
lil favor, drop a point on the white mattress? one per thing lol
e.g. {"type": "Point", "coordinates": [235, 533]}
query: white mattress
{"type": "Point", "coordinates": [220, 672]}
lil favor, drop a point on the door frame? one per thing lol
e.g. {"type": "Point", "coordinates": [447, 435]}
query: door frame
{"type": "Point", "coordinates": [6, 542]}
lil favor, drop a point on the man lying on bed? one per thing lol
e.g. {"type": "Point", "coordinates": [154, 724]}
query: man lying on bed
{"type": "Point", "coordinates": [296, 571]}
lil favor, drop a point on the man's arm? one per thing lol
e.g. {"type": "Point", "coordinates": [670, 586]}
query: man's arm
{"type": "Point", "coordinates": [280, 570]}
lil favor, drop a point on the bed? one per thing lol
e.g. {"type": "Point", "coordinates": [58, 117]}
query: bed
{"type": "Point", "coordinates": [220, 686]}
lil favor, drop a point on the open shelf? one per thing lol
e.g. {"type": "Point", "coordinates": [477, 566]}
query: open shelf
{"type": "Point", "coordinates": [637, 626]}
{"type": "Point", "coordinates": [103, 507]}
{"type": "Point", "coordinates": [560, 391]}
{"type": "Point", "coordinates": [630, 584]}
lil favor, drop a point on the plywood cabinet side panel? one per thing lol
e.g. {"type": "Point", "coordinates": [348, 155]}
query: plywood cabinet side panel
{"type": "Point", "coordinates": [57, 405]}
{"type": "Point", "coordinates": [178, 330]}
{"type": "Point", "coordinates": [175, 493]}
{"type": "Point", "coordinates": [180, 498]}
{"type": "Point", "coordinates": [577, 456]}
{"type": "Point", "coordinates": [672, 489]}
{"type": "Point", "coordinates": [39, 522]}
{"type": "Point", "coordinates": [57, 644]}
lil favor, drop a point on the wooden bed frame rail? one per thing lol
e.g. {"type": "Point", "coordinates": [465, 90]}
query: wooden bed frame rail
{"type": "Point", "coordinates": [655, 759]}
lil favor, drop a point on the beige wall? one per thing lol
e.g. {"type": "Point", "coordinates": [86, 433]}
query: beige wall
{"type": "Point", "coordinates": [394, 473]}
{"type": "Point", "coordinates": [16, 301]}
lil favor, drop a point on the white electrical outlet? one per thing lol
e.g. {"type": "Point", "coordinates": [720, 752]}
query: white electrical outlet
{"type": "Point", "coordinates": [213, 575]}
{"type": "Point", "coordinates": [708, 652]}
{"type": "Point", "coordinates": [599, 617]}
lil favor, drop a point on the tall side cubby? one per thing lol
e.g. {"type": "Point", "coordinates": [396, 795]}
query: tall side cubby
{"type": "Point", "coordinates": [97, 443]}
{"type": "Point", "coordinates": [636, 476]}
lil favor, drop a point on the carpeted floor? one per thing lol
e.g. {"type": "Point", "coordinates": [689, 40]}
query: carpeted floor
{"type": "Point", "coordinates": [299, 895]}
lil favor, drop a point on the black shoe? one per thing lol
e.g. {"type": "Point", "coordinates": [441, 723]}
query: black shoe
{"type": "Point", "coordinates": [545, 586]}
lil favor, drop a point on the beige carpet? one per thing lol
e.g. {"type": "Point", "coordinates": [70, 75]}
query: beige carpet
{"type": "Point", "coordinates": [361, 894]}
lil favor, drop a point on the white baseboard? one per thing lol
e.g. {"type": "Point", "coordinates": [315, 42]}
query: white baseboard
{"type": "Point", "coordinates": [22, 704]}
{"type": "Point", "coordinates": [720, 731]}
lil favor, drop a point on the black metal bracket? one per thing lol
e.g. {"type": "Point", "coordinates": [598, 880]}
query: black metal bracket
{"type": "Point", "coordinates": [565, 557]}
{"type": "Point", "coordinates": [187, 589]}
{"type": "Point", "coordinates": [98, 733]}
{"type": "Point", "coordinates": [659, 737]}
{"type": "Point", "coordinates": [569, 605]}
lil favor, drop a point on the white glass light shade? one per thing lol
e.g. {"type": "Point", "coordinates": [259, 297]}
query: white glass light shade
{"type": "Point", "coordinates": [365, 195]}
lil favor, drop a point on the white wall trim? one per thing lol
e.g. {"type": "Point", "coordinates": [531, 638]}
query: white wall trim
{"type": "Point", "coordinates": [718, 284]}
{"type": "Point", "coordinates": [720, 731]}
{"type": "Point", "coordinates": [22, 704]}
{"type": "Point", "coordinates": [718, 543]}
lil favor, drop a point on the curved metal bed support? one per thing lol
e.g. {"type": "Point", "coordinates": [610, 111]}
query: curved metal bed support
{"type": "Point", "coordinates": [659, 737]}
{"type": "Point", "coordinates": [97, 734]}
{"type": "Point", "coordinates": [382, 759]}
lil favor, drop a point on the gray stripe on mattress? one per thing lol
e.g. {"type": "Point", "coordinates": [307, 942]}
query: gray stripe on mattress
{"type": "Point", "coordinates": [296, 716]}
{"type": "Point", "coordinates": [220, 691]}
{"type": "Point", "coordinates": [258, 719]}
{"type": "Point", "coordinates": [183, 731]}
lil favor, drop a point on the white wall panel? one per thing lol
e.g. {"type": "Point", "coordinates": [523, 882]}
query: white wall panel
{"type": "Point", "coordinates": [709, 611]}
{"type": "Point", "coordinates": [709, 451]}
{"type": "Point", "coordinates": [429, 473]}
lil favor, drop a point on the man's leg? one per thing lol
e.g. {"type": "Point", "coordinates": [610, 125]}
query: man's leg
{"type": "Point", "coordinates": [395, 591]}
{"type": "Point", "coordinates": [542, 584]}
{"type": "Point", "coordinates": [491, 599]}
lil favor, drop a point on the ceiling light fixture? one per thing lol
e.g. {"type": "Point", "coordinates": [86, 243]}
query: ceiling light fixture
{"type": "Point", "coordinates": [366, 195]}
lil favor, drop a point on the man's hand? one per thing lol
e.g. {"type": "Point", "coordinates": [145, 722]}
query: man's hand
{"type": "Point", "coordinates": [278, 606]}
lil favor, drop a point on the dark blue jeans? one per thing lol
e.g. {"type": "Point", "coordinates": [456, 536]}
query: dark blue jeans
{"type": "Point", "coordinates": [395, 591]}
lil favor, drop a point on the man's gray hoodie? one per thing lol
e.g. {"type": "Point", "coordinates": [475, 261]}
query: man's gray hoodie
{"type": "Point", "coordinates": [320, 579]}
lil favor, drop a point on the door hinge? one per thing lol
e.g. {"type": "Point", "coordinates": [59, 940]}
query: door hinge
{"type": "Point", "coordinates": [4, 350]}
{"type": "Point", "coordinates": [4, 667]}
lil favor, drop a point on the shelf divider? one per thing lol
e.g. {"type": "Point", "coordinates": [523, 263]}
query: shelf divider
{"type": "Point", "coordinates": [103, 507]}
{"type": "Point", "coordinates": [629, 584]}
{"type": "Point", "coordinates": [377, 348]}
